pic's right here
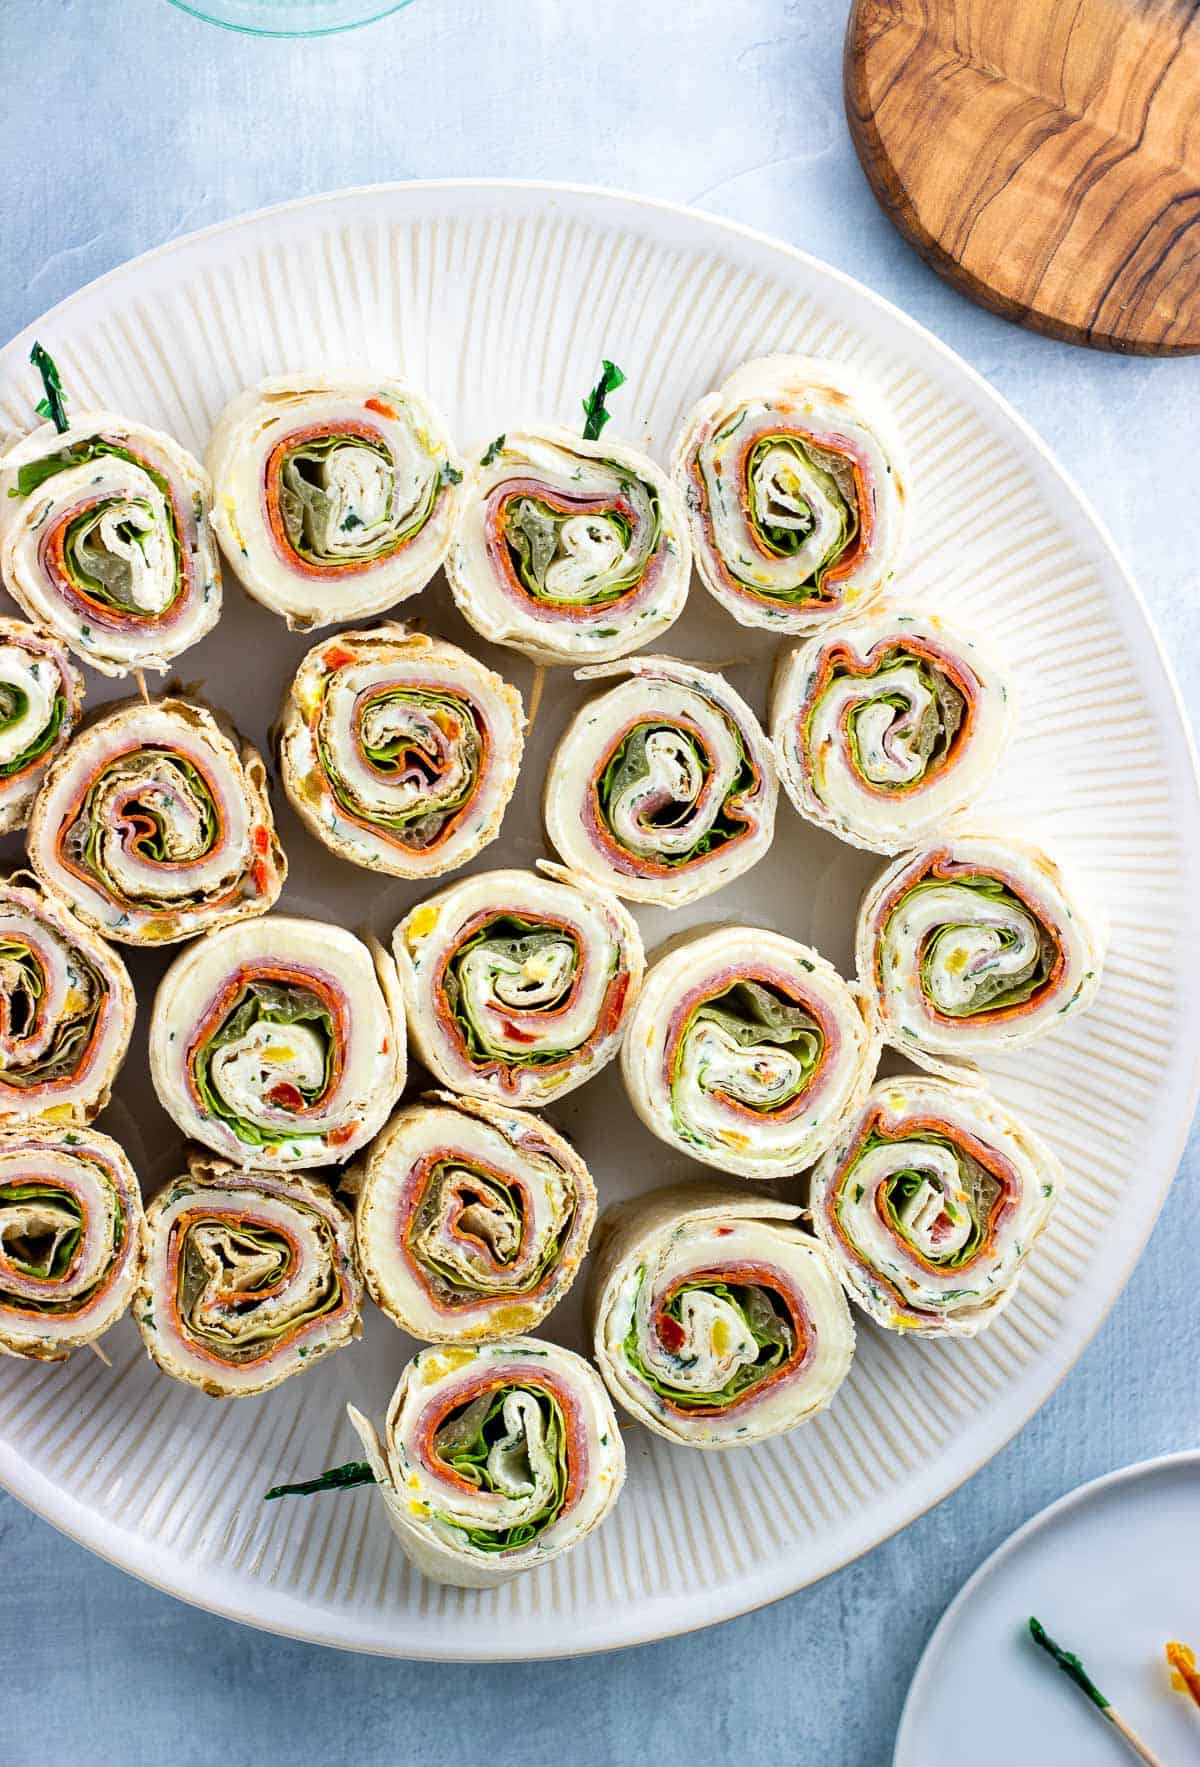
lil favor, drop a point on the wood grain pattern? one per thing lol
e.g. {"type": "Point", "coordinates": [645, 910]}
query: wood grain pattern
{"type": "Point", "coordinates": [1042, 155]}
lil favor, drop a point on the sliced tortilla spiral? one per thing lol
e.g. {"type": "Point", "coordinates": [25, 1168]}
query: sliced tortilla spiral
{"type": "Point", "coordinates": [279, 1042]}
{"type": "Point", "coordinates": [664, 788]}
{"type": "Point", "coordinates": [888, 726]}
{"type": "Point", "coordinates": [400, 752]}
{"type": "Point", "coordinates": [929, 1204]}
{"type": "Point", "coordinates": [71, 1239]}
{"type": "Point", "coordinates": [495, 1459]}
{"type": "Point", "coordinates": [472, 1221]}
{"type": "Point", "coordinates": [746, 1050]}
{"type": "Point", "coordinates": [518, 984]}
{"type": "Point", "coordinates": [716, 1321]}
{"type": "Point", "coordinates": [106, 539]}
{"type": "Point", "coordinates": [249, 1278]}
{"type": "Point", "coordinates": [973, 945]}
{"type": "Point", "coordinates": [41, 697]}
{"type": "Point", "coordinates": [155, 825]}
{"type": "Point", "coordinates": [569, 550]}
{"type": "Point", "coordinates": [66, 1010]}
{"type": "Point", "coordinates": [334, 499]}
{"type": "Point", "coordinates": [794, 492]}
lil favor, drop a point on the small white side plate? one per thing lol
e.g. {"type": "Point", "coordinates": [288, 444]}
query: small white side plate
{"type": "Point", "coordinates": [1112, 1571]}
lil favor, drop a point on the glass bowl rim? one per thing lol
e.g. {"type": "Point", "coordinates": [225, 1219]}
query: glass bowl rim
{"type": "Point", "coordinates": [197, 9]}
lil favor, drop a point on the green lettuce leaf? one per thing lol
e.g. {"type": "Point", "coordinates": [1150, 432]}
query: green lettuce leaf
{"type": "Point", "coordinates": [13, 705]}
{"type": "Point", "coordinates": [243, 1339]}
{"type": "Point", "coordinates": [518, 939]}
{"type": "Point", "coordinates": [87, 830]}
{"type": "Point", "coordinates": [276, 1004]}
{"type": "Point", "coordinates": [107, 581]}
{"type": "Point", "coordinates": [786, 542]}
{"type": "Point", "coordinates": [752, 1014]}
{"type": "Point", "coordinates": [769, 1325]}
{"type": "Point", "coordinates": [307, 508]}
{"type": "Point", "coordinates": [628, 765]}
{"type": "Point", "coordinates": [52, 1261]}
{"type": "Point", "coordinates": [466, 1439]}
{"type": "Point", "coordinates": [983, 1192]}
{"type": "Point", "coordinates": [994, 992]}
{"type": "Point", "coordinates": [422, 825]}
{"type": "Point", "coordinates": [23, 983]}
{"type": "Point", "coordinates": [939, 726]}
{"type": "Point", "coordinates": [497, 1193]}
{"type": "Point", "coordinates": [532, 528]}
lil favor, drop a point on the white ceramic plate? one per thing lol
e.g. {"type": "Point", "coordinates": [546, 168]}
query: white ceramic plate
{"type": "Point", "coordinates": [1109, 1570]}
{"type": "Point", "coordinates": [501, 300]}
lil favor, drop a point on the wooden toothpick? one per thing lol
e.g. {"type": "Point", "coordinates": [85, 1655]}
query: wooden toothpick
{"type": "Point", "coordinates": [535, 696]}
{"type": "Point", "coordinates": [1074, 1670]}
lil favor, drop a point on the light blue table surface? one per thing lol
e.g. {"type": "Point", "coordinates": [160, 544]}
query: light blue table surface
{"type": "Point", "coordinates": [128, 123]}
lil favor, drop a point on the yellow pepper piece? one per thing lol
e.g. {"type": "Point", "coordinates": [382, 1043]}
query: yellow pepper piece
{"type": "Point", "coordinates": [422, 923]}
{"type": "Point", "coordinates": [1184, 1676]}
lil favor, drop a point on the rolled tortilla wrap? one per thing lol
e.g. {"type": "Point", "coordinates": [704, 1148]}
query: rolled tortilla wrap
{"type": "Point", "coordinates": [71, 1239]}
{"type": "Point", "coordinates": [664, 787]}
{"type": "Point", "coordinates": [518, 984]}
{"type": "Point", "coordinates": [747, 1050]}
{"type": "Point", "coordinates": [472, 1220]}
{"type": "Point", "coordinates": [66, 1011]}
{"type": "Point", "coordinates": [250, 1278]}
{"type": "Point", "coordinates": [41, 697]}
{"type": "Point", "coordinates": [335, 498]}
{"type": "Point", "coordinates": [106, 539]}
{"type": "Point", "coordinates": [400, 752]}
{"type": "Point", "coordinates": [496, 1459]}
{"type": "Point", "coordinates": [279, 1042]}
{"type": "Point", "coordinates": [716, 1321]}
{"type": "Point", "coordinates": [974, 945]}
{"type": "Point", "coordinates": [155, 825]}
{"type": "Point", "coordinates": [887, 727]}
{"type": "Point", "coordinates": [929, 1204]}
{"type": "Point", "coordinates": [794, 493]}
{"type": "Point", "coordinates": [571, 551]}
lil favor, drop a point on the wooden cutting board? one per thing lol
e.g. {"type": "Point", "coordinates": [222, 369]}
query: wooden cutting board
{"type": "Point", "coordinates": [1042, 155]}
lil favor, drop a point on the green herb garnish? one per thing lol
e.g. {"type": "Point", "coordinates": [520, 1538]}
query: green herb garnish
{"type": "Point", "coordinates": [595, 411]}
{"type": "Point", "coordinates": [1068, 1663]}
{"type": "Point", "coordinates": [54, 405]}
{"type": "Point", "coordinates": [338, 1478]}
